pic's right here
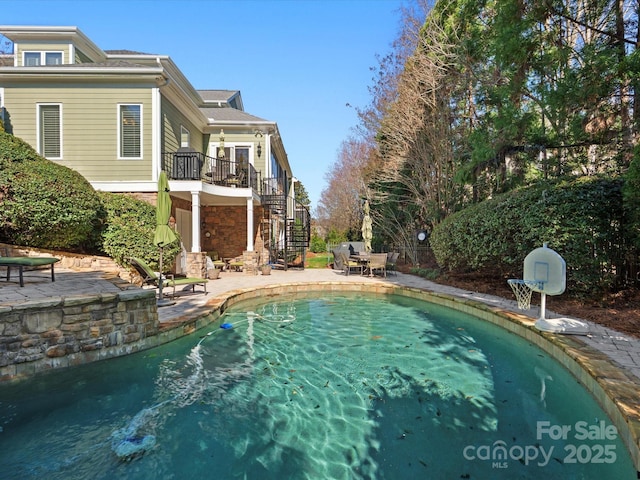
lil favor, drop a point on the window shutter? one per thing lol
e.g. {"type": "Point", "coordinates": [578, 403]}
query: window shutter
{"type": "Point", "coordinates": [50, 130]}
{"type": "Point", "coordinates": [130, 134]}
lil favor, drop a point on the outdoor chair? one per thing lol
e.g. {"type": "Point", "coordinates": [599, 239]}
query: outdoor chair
{"type": "Point", "coordinates": [348, 264]}
{"type": "Point", "coordinates": [149, 277]}
{"type": "Point", "coordinates": [378, 261]}
{"type": "Point", "coordinates": [392, 259]}
{"type": "Point", "coordinates": [237, 264]}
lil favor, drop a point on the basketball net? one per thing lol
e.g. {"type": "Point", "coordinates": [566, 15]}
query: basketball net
{"type": "Point", "coordinates": [522, 291]}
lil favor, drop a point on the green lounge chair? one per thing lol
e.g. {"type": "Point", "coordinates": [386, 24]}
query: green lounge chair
{"type": "Point", "coordinates": [149, 277]}
{"type": "Point", "coordinates": [27, 263]}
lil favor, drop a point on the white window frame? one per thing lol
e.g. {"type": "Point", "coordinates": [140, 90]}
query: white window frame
{"type": "Point", "coordinates": [40, 133]}
{"type": "Point", "coordinates": [185, 133]}
{"type": "Point", "coordinates": [119, 128]}
{"type": "Point", "coordinates": [43, 57]}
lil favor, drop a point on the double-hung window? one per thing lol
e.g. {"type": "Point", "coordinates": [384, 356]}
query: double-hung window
{"type": "Point", "coordinates": [50, 130]}
{"type": "Point", "coordinates": [130, 131]}
{"type": "Point", "coordinates": [35, 59]}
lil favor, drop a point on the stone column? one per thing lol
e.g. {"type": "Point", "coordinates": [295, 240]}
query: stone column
{"type": "Point", "coordinates": [250, 260]}
{"type": "Point", "coordinates": [196, 264]}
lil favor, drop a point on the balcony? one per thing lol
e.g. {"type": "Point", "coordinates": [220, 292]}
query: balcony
{"type": "Point", "coordinates": [187, 164]}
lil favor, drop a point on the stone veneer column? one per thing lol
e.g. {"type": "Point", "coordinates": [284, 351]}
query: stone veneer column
{"type": "Point", "coordinates": [197, 264]}
{"type": "Point", "coordinates": [250, 260]}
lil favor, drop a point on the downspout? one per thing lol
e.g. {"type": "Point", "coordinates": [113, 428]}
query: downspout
{"type": "Point", "coordinates": [156, 125]}
{"type": "Point", "coordinates": [155, 133]}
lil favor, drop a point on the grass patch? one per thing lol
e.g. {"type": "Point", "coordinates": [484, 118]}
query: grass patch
{"type": "Point", "coordinates": [318, 260]}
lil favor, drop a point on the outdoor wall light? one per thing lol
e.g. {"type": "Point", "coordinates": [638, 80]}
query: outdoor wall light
{"type": "Point", "coordinates": [258, 134]}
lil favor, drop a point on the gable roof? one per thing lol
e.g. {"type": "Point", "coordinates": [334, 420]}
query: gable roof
{"type": "Point", "coordinates": [222, 98]}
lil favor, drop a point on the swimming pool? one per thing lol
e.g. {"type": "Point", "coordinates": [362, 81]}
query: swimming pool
{"type": "Point", "coordinates": [319, 386]}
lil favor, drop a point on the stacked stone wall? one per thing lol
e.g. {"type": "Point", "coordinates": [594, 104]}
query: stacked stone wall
{"type": "Point", "coordinates": [65, 331]}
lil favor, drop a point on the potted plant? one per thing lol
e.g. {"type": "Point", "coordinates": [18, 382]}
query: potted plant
{"type": "Point", "coordinates": [265, 269]}
{"type": "Point", "coordinates": [213, 273]}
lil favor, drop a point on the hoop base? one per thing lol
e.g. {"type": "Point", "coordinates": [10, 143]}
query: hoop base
{"type": "Point", "coordinates": [567, 326]}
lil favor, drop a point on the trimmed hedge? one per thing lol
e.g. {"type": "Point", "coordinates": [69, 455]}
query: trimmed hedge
{"type": "Point", "coordinates": [46, 205]}
{"type": "Point", "coordinates": [43, 204]}
{"type": "Point", "coordinates": [582, 219]}
{"type": "Point", "coordinates": [129, 230]}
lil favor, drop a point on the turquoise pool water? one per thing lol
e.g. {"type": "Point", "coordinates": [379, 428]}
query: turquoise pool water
{"type": "Point", "coordinates": [324, 387]}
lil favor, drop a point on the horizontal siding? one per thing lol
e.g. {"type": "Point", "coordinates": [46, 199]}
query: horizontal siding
{"type": "Point", "coordinates": [90, 127]}
{"type": "Point", "coordinates": [172, 119]}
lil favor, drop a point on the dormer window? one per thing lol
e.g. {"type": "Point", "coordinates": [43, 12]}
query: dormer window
{"type": "Point", "coordinates": [35, 59]}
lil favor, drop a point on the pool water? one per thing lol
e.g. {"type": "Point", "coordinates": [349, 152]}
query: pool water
{"type": "Point", "coordinates": [329, 386]}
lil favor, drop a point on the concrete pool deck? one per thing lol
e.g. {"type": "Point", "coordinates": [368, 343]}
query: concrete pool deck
{"type": "Point", "coordinates": [607, 362]}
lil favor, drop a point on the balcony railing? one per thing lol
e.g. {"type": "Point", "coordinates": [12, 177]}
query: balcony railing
{"type": "Point", "coordinates": [191, 165]}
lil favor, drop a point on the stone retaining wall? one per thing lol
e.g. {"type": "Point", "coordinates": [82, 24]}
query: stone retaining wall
{"type": "Point", "coordinates": [64, 331]}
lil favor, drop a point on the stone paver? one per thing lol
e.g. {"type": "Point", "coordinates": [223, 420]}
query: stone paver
{"type": "Point", "coordinates": [622, 349]}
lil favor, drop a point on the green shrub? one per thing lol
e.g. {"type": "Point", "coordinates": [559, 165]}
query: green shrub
{"type": "Point", "coordinates": [581, 219]}
{"type": "Point", "coordinates": [428, 273]}
{"type": "Point", "coordinates": [318, 245]}
{"type": "Point", "coordinates": [631, 192]}
{"type": "Point", "coordinates": [43, 204]}
{"type": "Point", "coordinates": [129, 230]}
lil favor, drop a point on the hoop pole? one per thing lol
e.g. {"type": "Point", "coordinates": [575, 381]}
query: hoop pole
{"type": "Point", "coordinates": [543, 305]}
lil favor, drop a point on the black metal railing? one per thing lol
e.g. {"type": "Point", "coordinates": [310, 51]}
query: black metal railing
{"type": "Point", "coordinates": [192, 165]}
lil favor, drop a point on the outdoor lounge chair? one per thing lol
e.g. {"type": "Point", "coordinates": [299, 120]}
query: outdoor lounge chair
{"type": "Point", "coordinates": [27, 263]}
{"type": "Point", "coordinates": [149, 277]}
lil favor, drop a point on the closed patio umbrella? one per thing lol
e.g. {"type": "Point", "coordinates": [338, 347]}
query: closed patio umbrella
{"type": "Point", "coordinates": [367, 228]}
{"type": "Point", "coordinates": [164, 234]}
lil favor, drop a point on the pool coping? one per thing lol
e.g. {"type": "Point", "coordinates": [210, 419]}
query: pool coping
{"type": "Point", "coordinates": [615, 390]}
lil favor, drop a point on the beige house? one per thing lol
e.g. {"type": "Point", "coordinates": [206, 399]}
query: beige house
{"type": "Point", "coordinates": [120, 117]}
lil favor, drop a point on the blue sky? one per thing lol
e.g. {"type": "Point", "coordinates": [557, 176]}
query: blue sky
{"type": "Point", "coordinates": [296, 62]}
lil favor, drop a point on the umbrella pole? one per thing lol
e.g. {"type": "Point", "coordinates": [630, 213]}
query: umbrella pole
{"type": "Point", "coordinates": [160, 281]}
{"type": "Point", "coordinates": [161, 301]}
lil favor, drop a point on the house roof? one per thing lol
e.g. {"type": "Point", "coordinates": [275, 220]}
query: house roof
{"type": "Point", "coordinates": [232, 115]}
{"type": "Point", "coordinates": [217, 95]}
{"type": "Point", "coordinates": [222, 98]}
{"type": "Point", "coordinates": [126, 52]}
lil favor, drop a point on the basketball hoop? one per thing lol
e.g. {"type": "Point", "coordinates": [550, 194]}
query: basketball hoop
{"type": "Point", "coordinates": [523, 290]}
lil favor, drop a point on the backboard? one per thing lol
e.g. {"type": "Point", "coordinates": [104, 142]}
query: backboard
{"type": "Point", "coordinates": [547, 268]}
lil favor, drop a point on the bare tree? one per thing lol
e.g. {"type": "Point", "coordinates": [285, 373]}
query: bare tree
{"type": "Point", "coordinates": [340, 202]}
{"type": "Point", "coordinates": [416, 140]}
